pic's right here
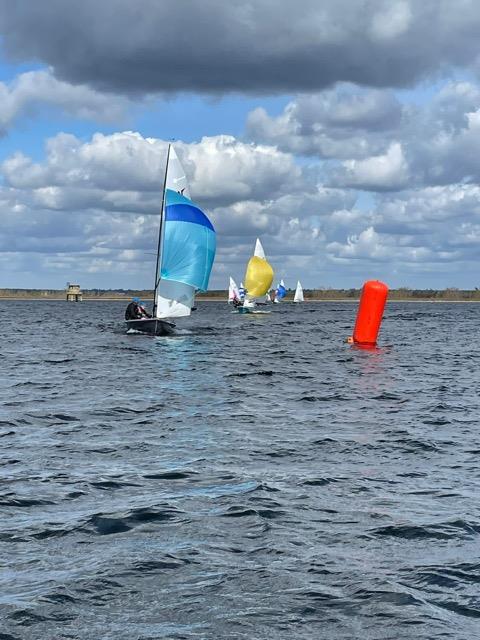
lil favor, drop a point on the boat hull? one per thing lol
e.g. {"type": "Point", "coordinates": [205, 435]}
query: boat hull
{"type": "Point", "coordinates": [151, 326]}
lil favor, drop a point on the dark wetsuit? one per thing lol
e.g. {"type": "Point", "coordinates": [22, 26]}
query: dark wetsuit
{"type": "Point", "coordinates": [134, 312]}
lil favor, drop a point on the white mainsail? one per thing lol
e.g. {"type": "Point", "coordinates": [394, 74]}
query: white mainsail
{"type": "Point", "coordinates": [259, 252]}
{"type": "Point", "coordinates": [176, 178]}
{"type": "Point", "coordinates": [276, 300]}
{"type": "Point", "coordinates": [233, 292]}
{"type": "Point", "coordinates": [298, 293]}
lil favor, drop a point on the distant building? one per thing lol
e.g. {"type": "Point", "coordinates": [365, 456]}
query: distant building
{"type": "Point", "coordinates": [73, 293]}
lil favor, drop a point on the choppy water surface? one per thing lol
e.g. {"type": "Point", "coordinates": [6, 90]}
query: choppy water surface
{"type": "Point", "coordinates": [253, 477]}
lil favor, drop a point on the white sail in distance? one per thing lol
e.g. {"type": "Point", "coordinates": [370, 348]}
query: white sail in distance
{"type": "Point", "coordinates": [298, 293]}
{"type": "Point", "coordinates": [233, 292]}
{"type": "Point", "coordinates": [259, 252]}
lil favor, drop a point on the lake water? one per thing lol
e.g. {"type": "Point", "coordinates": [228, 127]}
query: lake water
{"type": "Point", "coordinates": [253, 477]}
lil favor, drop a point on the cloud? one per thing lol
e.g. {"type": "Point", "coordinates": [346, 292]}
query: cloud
{"type": "Point", "coordinates": [34, 89]}
{"type": "Point", "coordinates": [89, 211]}
{"type": "Point", "coordinates": [386, 172]}
{"type": "Point", "coordinates": [345, 122]}
{"type": "Point", "coordinates": [375, 247]}
{"type": "Point", "coordinates": [369, 140]}
{"type": "Point", "coordinates": [223, 170]}
{"type": "Point", "coordinates": [98, 200]}
{"type": "Point", "coordinates": [215, 46]}
{"type": "Point", "coordinates": [415, 233]}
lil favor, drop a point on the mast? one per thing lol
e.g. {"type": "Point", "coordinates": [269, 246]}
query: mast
{"type": "Point", "coordinates": [159, 246]}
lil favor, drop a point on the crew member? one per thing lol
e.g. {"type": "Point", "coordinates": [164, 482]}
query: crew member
{"type": "Point", "coordinates": [135, 310]}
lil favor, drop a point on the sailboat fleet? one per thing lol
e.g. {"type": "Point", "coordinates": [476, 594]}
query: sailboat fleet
{"type": "Point", "coordinates": [258, 280]}
{"type": "Point", "coordinates": [185, 254]}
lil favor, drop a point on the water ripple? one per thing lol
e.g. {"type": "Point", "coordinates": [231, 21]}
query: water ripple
{"type": "Point", "coordinates": [247, 478]}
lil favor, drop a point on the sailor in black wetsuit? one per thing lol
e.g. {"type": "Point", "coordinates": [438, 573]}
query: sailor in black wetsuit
{"type": "Point", "coordinates": [135, 311]}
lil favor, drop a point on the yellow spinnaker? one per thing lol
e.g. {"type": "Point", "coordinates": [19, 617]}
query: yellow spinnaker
{"type": "Point", "coordinates": [258, 277]}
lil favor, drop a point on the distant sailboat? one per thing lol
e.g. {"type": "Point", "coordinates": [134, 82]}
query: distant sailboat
{"type": "Point", "coordinates": [233, 291]}
{"type": "Point", "coordinates": [281, 291]}
{"type": "Point", "coordinates": [185, 253]}
{"type": "Point", "coordinates": [298, 293]}
{"type": "Point", "coordinates": [241, 291]}
{"type": "Point", "coordinates": [258, 278]}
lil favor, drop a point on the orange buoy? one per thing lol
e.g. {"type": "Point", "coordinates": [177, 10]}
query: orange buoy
{"type": "Point", "coordinates": [370, 312]}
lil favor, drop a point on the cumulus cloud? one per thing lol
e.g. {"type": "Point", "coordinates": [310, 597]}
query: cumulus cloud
{"type": "Point", "coordinates": [386, 172]}
{"type": "Point", "coordinates": [222, 169]}
{"type": "Point", "coordinates": [99, 199]}
{"type": "Point", "coordinates": [91, 207]}
{"type": "Point", "coordinates": [345, 122]}
{"type": "Point", "coordinates": [369, 140]}
{"type": "Point", "coordinates": [215, 46]}
{"type": "Point", "coordinates": [33, 89]}
{"type": "Point", "coordinates": [422, 236]}
{"type": "Point", "coordinates": [351, 180]}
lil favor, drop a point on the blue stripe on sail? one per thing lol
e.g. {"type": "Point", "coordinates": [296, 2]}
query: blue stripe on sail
{"type": "Point", "coordinates": [178, 207]}
{"type": "Point", "coordinates": [188, 251]}
{"type": "Point", "coordinates": [187, 213]}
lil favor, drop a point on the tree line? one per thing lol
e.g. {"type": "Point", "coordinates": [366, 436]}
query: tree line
{"type": "Point", "coordinates": [323, 293]}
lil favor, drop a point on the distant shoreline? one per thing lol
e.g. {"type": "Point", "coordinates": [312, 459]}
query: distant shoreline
{"type": "Point", "coordinates": [150, 300]}
{"type": "Point", "coordinates": [401, 294]}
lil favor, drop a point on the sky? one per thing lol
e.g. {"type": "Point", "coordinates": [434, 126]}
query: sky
{"type": "Point", "coordinates": [345, 135]}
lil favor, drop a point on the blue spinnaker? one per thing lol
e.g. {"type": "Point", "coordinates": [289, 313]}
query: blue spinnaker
{"type": "Point", "coordinates": [189, 242]}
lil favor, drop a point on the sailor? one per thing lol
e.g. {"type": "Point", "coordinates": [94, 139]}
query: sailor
{"type": "Point", "coordinates": [135, 310]}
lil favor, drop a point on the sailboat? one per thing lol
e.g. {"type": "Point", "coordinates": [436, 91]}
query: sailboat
{"type": "Point", "coordinates": [233, 291]}
{"type": "Point", "coordinates": [185, 253]}
{"type": "Point", "coordinates": [298, 293]}
{"type": "Point", "coordinates": [280, 292]}
{"type": "Point", "coordinates": [241, 291]}
{"type": "Point", "coordinates": [258, 279]}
